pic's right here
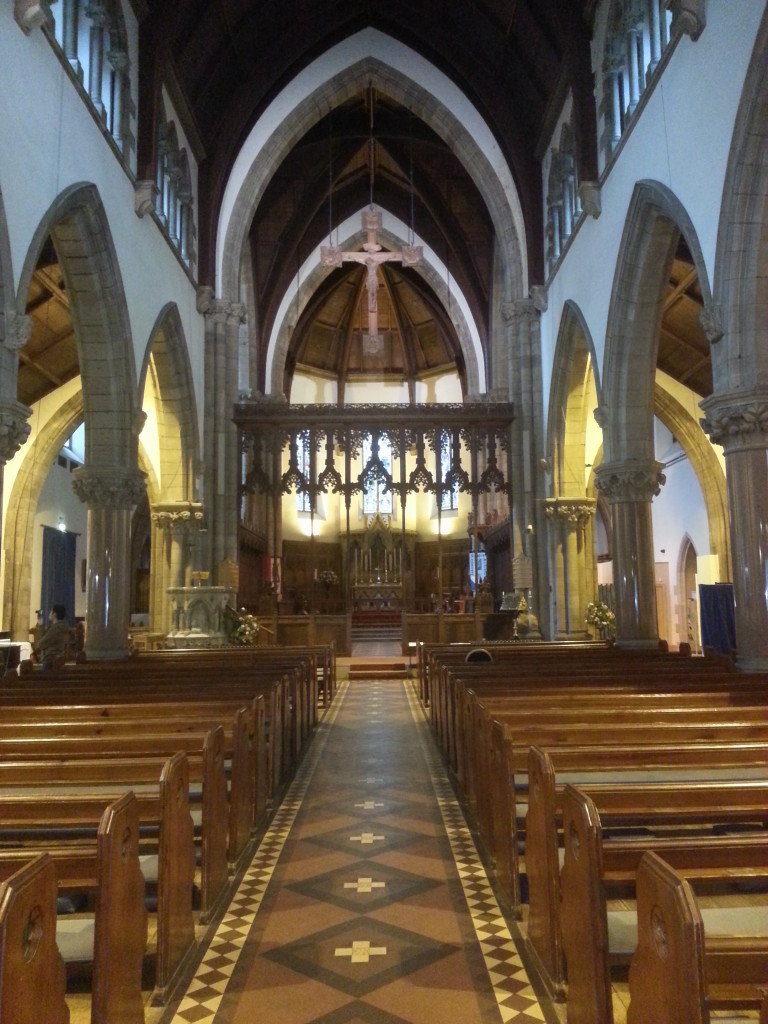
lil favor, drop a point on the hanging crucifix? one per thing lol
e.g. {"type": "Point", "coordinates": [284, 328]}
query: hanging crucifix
{"type": "Point", "coordinates": [372, 257]}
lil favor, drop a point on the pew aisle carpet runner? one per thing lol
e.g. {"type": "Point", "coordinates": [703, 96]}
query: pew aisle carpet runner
{"type": "Point", "coordinates": [366, 902]}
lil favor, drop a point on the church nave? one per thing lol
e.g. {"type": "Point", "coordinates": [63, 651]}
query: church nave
{"type": "Point", "coordinates": [366, 899]}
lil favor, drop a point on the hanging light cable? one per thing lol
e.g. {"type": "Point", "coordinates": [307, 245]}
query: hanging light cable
{"type": "Point", "coordinates": [371, 143]}
{"type": "Point", "coordinates": [412, 238]}
{"type": "Point", "coordinates": [330, 179]}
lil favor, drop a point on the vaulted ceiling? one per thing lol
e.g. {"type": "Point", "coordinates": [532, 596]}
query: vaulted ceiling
{"type": "Point", "coordinates": [224, 61]}
{"type": "Point", "coordinates": [514, 60]}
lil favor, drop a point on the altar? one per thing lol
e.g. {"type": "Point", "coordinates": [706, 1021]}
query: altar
{"type": "Point", "coordinates": [378, 595]}
{"type": "Point", "coordinates": [377, 567]}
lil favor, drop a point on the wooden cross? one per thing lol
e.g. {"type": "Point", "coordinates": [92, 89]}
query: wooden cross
{"type": "Point", "coordinates": [371, 256]}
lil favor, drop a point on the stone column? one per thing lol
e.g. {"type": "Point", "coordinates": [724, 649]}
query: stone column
{"type": "Point", "coordinates": [109, 494]}
{"type": "Point", "coordinates": [630, 487]}
{"type": "Point", "coordinates": [70, 11]}
{"type": "Point", "coordinates": [97, 14]}
{"type": "Point", "coordinates": [526, 443]}
{"type": "Point", "coordinates": [14, 417]}
{"type": "Point", "coordinates": [119, 61]}
{"type": "Point", "coordinates": [569, 518]}
{"type": "Point", "coordinates": [222, 463]}
{"type": "Point", "coordinates": [739, 422]}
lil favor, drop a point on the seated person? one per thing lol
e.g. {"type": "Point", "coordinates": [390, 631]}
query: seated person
{"type": "Point", "coordinates": [53, 642]}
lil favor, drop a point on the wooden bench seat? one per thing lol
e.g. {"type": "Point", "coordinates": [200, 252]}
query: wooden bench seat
{"type": "Point", "coordinates": [448, 715]}
{"type": "Point", "coordinates": [603, 939]}
{"type": "Point", "coordinates": [680, 971]}
{"type": "Point", "coordinates": [226, 816]}
{"type": "Point", "coordinates": [169, 815]}
{"type": "Point", "coordinates": [565, 904]}
{"type": "Point", "coordinates": [721, 767]}
{"type": "Point", "coordinates": [448, 710]}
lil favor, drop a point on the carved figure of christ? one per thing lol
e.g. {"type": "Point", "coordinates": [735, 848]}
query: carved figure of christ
{"type": "Point", "coordinates": [372, 257]}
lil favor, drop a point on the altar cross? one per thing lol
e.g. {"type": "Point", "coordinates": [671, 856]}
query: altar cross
{"type": "Point", "coordinates": [371, 257]}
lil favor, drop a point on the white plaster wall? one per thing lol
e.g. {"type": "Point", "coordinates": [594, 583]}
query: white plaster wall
{"type": "Point", "coordinates": [46, 147]}
{"type": "Point", "coordinates": [681, 139]}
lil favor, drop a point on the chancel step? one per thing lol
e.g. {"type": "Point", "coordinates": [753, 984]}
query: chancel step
{"type": "Point", "coordinates": [378, 670]}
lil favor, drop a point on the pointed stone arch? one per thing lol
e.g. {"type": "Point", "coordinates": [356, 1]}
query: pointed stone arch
{"type": "Point", "coordinates": [571, 510]}
{"type": "Point", "coordinates": [167, 359]}
{"type": "Point", "coordinates": [78, 225]}
{"type": "Point", "coordinates": [22, 504]}
{"type": "Point", "coordinates": [630, 476]}
{"type": "Point", "coordinates": [174, 514]}
{"type": "Point", "coordinates": [737, 411]}
{"type": "Point", "coordinates": [686, 606]}
{"type": "Point", "coordinates": [740, 359]}
{"type": "Point", "coordinates": [406, 77]}
{"type": "Point", "coordinates": [393, 234]}
{"type": "Point", "coordinates": [654, 222]}
{"type": "Point", "coordinates": [707, 468]}
{"type": "Point", "coordinates": [109, 482]}
{"type": "Point", "coordinates": [574, 362]}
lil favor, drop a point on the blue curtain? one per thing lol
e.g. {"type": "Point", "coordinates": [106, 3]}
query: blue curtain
{"type": "Point", "coordinates": [718, 621]}
{"type": "Point", "coordinates": [58, 586]}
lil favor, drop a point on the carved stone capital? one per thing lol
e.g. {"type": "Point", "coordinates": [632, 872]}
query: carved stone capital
{"type": "Point", "coordinates": [689, 17]}
{"type": "Point", "coordinates": [711, 319]}
{"type": "Point", "coordinates": [570, 511]}
{"type": "Point", "coordinates": [601, 417]}
{"type": "Point", "coordinates": [630, 481]}
{"type": "Point", "coordinates": [18, 330]}
{"type": "Point", "coordinates": [145, 194]}
{"type": "Point", "coordinates": [236, 314]}
{"type": "Point", "coordinates": [737, 421]}
{"type": "Point", "coordinates": [519, 311]}
{"type": "Point", "coordinates": [14, 428]}
{"type": "Point", "coordinates": [539, 298]}
{"type": "Point", "coordinates": [182, 516]}
{"type": "Point", "coordinates": [590, 198]}
{"type": "Point", "coordinates": [32, 14]}
{"type": "Point", "coordinates": [204, 298]}
{"type": "Point", "coordinates": [109, 488]}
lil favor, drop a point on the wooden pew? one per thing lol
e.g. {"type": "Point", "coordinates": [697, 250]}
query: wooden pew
{"type": "Point", "coordinates": [115, 940]}
{"type": "Point", "coordinates": [130, 685]}
{"type": "Point", "coordinates": [678, 974]}
{"type": "Point", "coordinates": [512, 767]}
{"type": "Point", "coordinates": [628, 718]}
{"type": "Point", "coordinates": [51, 756]}
{"type": "Point", "coordinates": [593, 939]}
{"type": "Point", "coordinates": [49, 825]}
{"type": "Point", "coordinates": [582, 677]}
{"type": "Point", "coordinates": [29, 957]}
{"type": "Point", "coordinates": [634, 677]}
{"type": "Point", "coordinates": [120, 720]}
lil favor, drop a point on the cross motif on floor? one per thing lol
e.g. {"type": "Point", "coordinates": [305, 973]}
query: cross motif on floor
{"type": "Point", "coordinates": [369, 780]}
{"type": "Point", "coordinates": [361, 952]}
{"type": "Point", "coordinates": [364, 885]}
{"type": "Point", "coordinates": [369, 805]}
{"type": "Point", "coordinates": [366, 839]}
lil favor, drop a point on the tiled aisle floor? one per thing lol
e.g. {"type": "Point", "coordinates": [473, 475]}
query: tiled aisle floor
{"type": "Point", "coordinates": [366, 902]}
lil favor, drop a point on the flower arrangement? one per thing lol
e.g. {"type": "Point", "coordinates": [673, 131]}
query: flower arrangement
{"type": "Point", "coordinates": [247, 632]}
{"type": "Point", "coordinates": [601, 617]}
{"type": "Point", "coordinates": [328, 578]}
